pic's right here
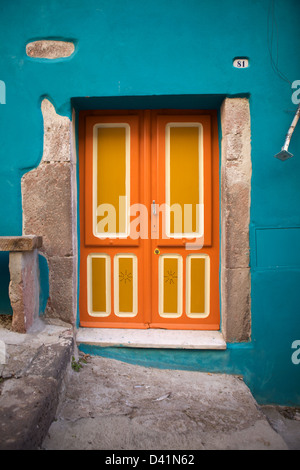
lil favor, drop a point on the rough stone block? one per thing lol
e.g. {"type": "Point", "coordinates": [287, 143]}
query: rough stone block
{"type": "Point", "coordinates": [235, 115]}
{"type": "Point", "coordinates": [235, 227]}
{"type": "Point", "coordinates": [62, 293]}
{"type": "Point", "coordinates": [47, 207]}
{"type": "Point", "coordinates": [49, 49]}
{"type": "Point", "coordinates": [24, 289]}
{"type": "Point", "coordinates": [236, 304]}
{"type": "Point", "coordinates": [28, 406]}
{"type": "Point", "coordinates": [20, 243]}
{"type": "Point", "coordinates": [37, 369]}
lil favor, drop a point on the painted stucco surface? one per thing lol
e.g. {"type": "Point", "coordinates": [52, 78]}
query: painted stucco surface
{"type": "Point", "coordinates": [173, 54]}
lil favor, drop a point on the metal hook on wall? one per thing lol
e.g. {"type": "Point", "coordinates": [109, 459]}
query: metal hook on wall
{"type": "Point", "coordinates": [284, 154]}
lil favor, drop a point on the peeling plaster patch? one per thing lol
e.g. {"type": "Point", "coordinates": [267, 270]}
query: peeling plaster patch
{"type": "Point", "coordinates": [50, 49]}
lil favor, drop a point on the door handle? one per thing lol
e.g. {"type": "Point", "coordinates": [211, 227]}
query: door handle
{"type": "Point", "coordinates": [153, 207]}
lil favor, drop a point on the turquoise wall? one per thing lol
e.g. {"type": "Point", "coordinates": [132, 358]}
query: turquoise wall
{"type": "Point", "coordinates": [178, 54]}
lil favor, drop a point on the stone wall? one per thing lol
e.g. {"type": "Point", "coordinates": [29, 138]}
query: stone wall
{"type": "Point", "coordinates": [49, 209]}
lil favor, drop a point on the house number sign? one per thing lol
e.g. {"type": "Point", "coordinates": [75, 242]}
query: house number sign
{"type": "Point", "coordinates": [241, 63]}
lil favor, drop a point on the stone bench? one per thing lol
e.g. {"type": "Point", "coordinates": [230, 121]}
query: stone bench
{"type": "Point", "coordinates": [24, 286]}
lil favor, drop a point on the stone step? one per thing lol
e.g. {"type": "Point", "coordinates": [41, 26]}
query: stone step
{"type": "Point", "coordinates": [150, 338]}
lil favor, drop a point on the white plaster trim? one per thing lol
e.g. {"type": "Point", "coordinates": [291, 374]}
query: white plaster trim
{"type": "Point", "coordinates": [151, 338]}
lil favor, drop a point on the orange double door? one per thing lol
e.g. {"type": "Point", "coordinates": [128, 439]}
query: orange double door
{"type": "Point", "coordinates": [149, 219]}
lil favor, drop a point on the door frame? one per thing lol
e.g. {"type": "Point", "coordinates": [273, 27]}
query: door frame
{"type": "Point", "coordinates": [61, 144]}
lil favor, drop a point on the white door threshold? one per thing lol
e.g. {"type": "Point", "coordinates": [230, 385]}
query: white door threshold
{"type": "Point", "coordinates": [151, 338]}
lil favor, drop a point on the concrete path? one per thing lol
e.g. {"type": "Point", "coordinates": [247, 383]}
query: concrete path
{"type": "Point", "coordinates": [110, 405]}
